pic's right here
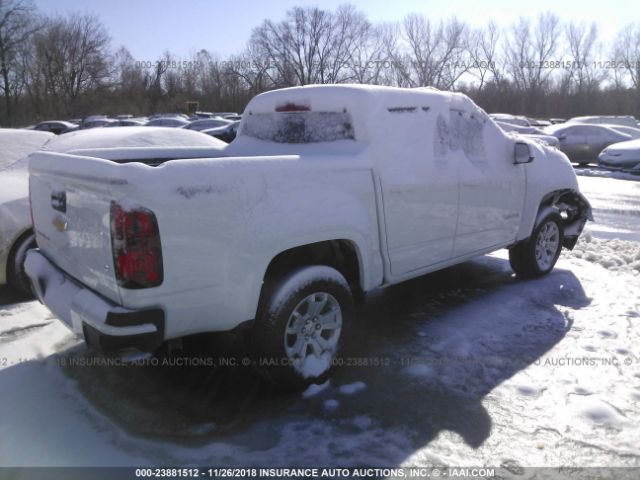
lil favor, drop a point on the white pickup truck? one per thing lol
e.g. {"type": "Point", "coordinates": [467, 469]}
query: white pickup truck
{"type": "Point", "coordinates": [326, 193]}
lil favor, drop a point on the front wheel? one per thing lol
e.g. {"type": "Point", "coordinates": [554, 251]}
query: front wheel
{"type": "Point", "coordinates": [299, 330]}
{"type": "Point", "coordinates": [16, 276]}
{"type": "Point", "coordinates": [538, 255]}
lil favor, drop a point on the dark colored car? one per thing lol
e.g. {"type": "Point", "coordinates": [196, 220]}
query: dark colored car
{"type": "Point", "coordinates": [226, 133]}
{"type": "Point", "coordinates": [583, 143]}
{"type": "Point", "coordinates": [56, 126]}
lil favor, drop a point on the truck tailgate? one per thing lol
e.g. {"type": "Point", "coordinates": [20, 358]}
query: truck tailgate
{"type": "Point", "coordinates": [70, 204]}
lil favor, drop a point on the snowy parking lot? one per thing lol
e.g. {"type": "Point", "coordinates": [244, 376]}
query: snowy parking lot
{"type": "Point", "coordinates": [464, 367]}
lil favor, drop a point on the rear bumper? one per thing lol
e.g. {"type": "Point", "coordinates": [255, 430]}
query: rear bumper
{"type": "Point", "coordinates": [103, 324]}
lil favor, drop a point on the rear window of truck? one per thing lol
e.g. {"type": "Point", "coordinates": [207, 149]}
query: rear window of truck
{"type": "Point", "coordinates": [299, 127]}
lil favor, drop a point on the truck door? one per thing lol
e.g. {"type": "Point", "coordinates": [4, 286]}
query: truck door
{"type": "Point", "coordinates": [419, 193]}
{"type": "Point", "coordinates": [492, 188]}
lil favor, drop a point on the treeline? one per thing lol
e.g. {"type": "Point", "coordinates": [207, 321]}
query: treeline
{"type": "Point", "coordinates": [66, 67]}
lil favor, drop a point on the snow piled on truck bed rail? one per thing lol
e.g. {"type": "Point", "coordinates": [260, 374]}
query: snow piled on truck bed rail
{"type": "Point", "coordinates": [122, 137]}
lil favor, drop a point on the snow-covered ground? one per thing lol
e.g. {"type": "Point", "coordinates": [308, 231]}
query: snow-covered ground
{"type": "Point", "coordinates": [468, 366]}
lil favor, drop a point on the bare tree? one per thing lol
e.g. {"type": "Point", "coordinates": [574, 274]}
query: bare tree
{"type": "Point", "coordinates": [367, 58]}
{"type": "Point", "coordinates": [627, 53]}
{"type": "Point", "coordinates": [483, 47]}
{"type": "Point", "coordinates": [72, 56]}
{"type": "Point", "coordinates": [531, 56]}
{"type": "Point", "coordinates": [435, 55]}
{"type": "Point", "coordinates": [584, 75]}
{"type": "Point", "coordinates": [16, 27]}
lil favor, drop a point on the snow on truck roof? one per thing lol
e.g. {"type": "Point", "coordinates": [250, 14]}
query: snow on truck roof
{"type": "Point", "coordinates": [355, 98]}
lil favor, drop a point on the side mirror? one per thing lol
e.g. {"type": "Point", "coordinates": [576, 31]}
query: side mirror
{"type": "Point", "coordinates": [522, 153]}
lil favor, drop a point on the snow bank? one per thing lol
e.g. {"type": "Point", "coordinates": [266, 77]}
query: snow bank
{"type": "Point", "coordinates": [612, 254]}
{"type": "Point", "coordinates": [601, 172]}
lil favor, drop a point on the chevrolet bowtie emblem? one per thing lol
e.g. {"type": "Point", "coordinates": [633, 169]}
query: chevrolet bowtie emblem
{"type": "Point", "coordinates": [60, 223]}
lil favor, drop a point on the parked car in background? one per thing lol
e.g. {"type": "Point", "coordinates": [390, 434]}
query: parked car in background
{"type": "Point", "coordinates": [207, 123]}
{"type": "Point", "coordinates": [633, 132]}
{"type": "Point", "coordinates": [224, 114]}
{"type": "Point", "coordinates": [226, 133]}
{"type": "Point", "coordinates": [127, 123]}
{"type": "Point", "coordinates": [56, 127]}
{"type": "Point", "coordinates": [327, 192]}
{"type": "Point", "coordinates": [537, 122]}
{"type": "Point", "coordinates": [582, 143]}
{"type": "Point", "coordinates": [621, 156]}
{"type": "Point", "coordinates": [531, 132]}
{"type": "Point", "coordinates": [96, 121]}
{"type": "Point", "coordinates": [626, 120]}
{"type": "Point", "coordinates": [175, 122]}
{"type": "Point", "coordinates": [512, 119]}
{"type": "Point", "coordinates": [169, 115]}
{"type": "Point", "coordinates": [16, 235]}
{"type": "Point", "coordinates": [555, 121]}
{"type": "Point", "coordinates": [233, 117]}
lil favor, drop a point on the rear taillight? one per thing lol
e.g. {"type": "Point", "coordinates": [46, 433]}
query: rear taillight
{"type": "Point", "coordinates": [135, 243]}
{"type": "Point", "coordinates": [293, 107]}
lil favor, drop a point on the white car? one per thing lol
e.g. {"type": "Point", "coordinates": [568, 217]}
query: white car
{"type": "Point", "coordinates": [582, 142]}
{"type": "Point", "coordinates": [16, 236]}
{"type": "Point", "coordinates": [530, 132]}
{"type": "Point", "coordinates": [621, 156]}
{"type": "Point", "coordinates": [624, 120]}
{"type": "Point", "coordinates": [173, 122]}
{"type": "Point", "coordinates": [632, 132]}
{"type": "Point", "coordinates": [326, 193]}
{"type": "Point", "coordinates": [518, 120]}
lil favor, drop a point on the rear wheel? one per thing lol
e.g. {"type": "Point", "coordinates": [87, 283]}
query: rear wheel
{"type": "Point", "coordinates": [299, 330]}
{"type": "Point", "coordinates": [16, 276]}
{"type": "Point", "coordinates": [538, 255]}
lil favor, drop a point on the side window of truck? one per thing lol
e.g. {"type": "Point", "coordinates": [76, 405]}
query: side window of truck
{"type": "Point", "coordinates": [463, 131]}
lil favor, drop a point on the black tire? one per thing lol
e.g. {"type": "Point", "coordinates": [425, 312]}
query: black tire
{"type": "Point", "coordinates": [522, 257]}
{"type": "Point", "coordinates": [269, 334]}
{"type": "Point", "coordinates": [16, 276]}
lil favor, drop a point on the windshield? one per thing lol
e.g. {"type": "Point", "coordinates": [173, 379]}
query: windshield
{"type": "Point", "coordinates": [299, 127]}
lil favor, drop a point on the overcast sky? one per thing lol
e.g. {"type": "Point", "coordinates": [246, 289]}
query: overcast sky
{"type": "Point", "coordinates": [149, 27]}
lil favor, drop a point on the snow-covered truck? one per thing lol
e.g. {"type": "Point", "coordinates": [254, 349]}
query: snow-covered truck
{"type": "Point", "coordinates": [327, 192]}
